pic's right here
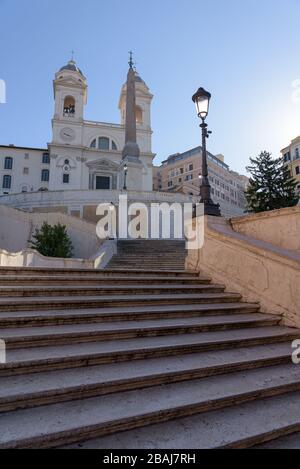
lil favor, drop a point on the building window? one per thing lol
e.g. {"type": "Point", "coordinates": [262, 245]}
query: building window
{"type": "Point", "coordinates": [24, 189]}
{"type": "Point", "coordinates": [26, 156]}
{"type": "Point", "coordinates": [6, 184]}
{"type": "Point", "coordinates": [181, 170]}
{"type": "Point", "coordinates": [66, 178]}
{"type": "Point", "coordinates": [103, 143]}
{"type": "Point", "coordinates": [191, 167]}
{"type": "Point", "coordinates": [296, 153]}
{"type": "Point", "coordinates": [297, 169]}
{"type": "Point", "coordinates": [45, 175]}
{"type": "Point", "coordinates": [8, 162]}
{"type": "Point", "coordinates": [46, 158]}
{"type": "Point", "coordinates": [25, 170]}
{"type": "Point", "coordinates": [138, 115]}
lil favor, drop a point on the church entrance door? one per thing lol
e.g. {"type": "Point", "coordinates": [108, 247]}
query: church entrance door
{"type": "Point", "coordinates": [102, 182]}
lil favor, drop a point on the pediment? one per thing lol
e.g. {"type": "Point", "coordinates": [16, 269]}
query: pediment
{"type": "Point", "coordinates": [103, 164]}
{"type": "Point", "coordinates": [69, 81]}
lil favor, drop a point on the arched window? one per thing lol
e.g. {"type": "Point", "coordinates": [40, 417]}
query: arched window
{"type": "Point", "coordinates": [45, 175]}
{"type": "Point", "coordinates": [6, 184]}
{"type": "Point", "coordinates": [69, 106]}
{"type": "Point", "coordinates": [138, 115]}
{"type": "Point", "coordinates": [104, 143]}
{"type": "Point", "coordinates": [8, 162]}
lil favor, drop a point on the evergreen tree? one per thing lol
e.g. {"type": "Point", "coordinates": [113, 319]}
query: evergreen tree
{"type": "Point", "coordinates": [52, 241]}
{"type": "Point", "coordinates": [271, 186]}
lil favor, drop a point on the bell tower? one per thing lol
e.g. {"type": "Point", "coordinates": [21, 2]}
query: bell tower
{"type": "Point", "coordinates": [70, 95]}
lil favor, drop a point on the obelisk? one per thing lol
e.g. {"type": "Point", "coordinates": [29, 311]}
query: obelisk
{"type": "Point", "coordinates": [131, 151]}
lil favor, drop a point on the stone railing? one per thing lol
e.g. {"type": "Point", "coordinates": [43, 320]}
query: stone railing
{"type": "Point", "coordinates": [70, 198]}
{"type": "Point", "coordinates": [278, 227]}
{"type": "Point", "coordinates": [260, 271]}
{"type": "Point", "coordinates": [31, 258]}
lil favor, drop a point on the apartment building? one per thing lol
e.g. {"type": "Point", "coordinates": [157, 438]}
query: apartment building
{"type": "Point", "coordinates": [291, 155]}
{"type": "Point", "coordinates": [181, 172]}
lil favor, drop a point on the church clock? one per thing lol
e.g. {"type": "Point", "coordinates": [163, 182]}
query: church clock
{"type": "Point", "coordinates": [67, 135]}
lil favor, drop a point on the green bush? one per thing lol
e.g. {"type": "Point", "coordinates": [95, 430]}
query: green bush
{"type": "Point", "coordinates": [52, 241]}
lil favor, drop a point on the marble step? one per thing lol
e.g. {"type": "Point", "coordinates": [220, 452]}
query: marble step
{"type": "Point", "coordinates": [102, 273]}
{"type": "Point", "coordinates": [37, 359]}
{"type": "Point", "coordinates": [103, 315]}
{"type": "Point", "coordinates": [113, 289]}
{"type": "Point", "coordinates": [83, 333]}
{"type": "Point", "coordinates": [70, 422]}
{"type": "Point", "coordinates": [168, 253]}
{"type": "Point", "coordinates": [158, 264]}
{"type": "Point", "coordinates": [32, 390]}
{"type": "Point", "coordinates": [92, 280]}
{"type": "Point", "coordinates": [237, 427]}
{"type": "Point", "coordinates": [291, 441]}
{"type": "Point", "coordinates": [69, 302]}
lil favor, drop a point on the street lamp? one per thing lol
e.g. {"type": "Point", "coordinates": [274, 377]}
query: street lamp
{"type": "Point", "coordinates": [201, 99]}
{"type": "Point", "coordinates": [125, 177]}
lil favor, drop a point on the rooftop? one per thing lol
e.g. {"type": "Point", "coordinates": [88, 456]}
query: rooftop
{"type": "Point", "coordinates": [13, 147]}
{"type": "Point", "coordinates": [72, 66]}
{"type": "Point", "coordinates": [187, 154]}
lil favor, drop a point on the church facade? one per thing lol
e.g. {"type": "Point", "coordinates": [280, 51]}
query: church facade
{"type": "Point", "coordinates": [83, 155]}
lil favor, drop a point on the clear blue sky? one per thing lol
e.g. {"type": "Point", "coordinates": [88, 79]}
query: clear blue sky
{"type": "Point", "coordinates": [246, 52]}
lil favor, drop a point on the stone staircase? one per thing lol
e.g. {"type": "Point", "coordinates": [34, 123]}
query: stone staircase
{"type": "Point", "coordinates": [140, 359]}
{"type": "Point", "coordinates": [149, 254]}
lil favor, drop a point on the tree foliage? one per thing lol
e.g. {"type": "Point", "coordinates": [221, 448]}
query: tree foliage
{"type": "Point", "coordinates": [52, 241]}
{"type": "Point", "coordinates": [271, 186]}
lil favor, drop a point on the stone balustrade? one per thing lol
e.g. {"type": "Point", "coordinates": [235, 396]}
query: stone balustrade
{"type": "Point", "coordinates": [260, 271]}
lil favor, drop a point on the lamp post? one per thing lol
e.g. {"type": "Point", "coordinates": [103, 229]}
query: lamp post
{"type": "Point", "coordinates": [125, 177]}
{"type": "Point", "coordinates": [201, 99]}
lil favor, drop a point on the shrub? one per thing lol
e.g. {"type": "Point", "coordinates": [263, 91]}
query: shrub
{"type": "Point", "coordinates": [52, 241]}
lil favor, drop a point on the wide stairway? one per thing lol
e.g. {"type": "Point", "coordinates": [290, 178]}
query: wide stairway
{"type": "Point", "coordinates": [149, 254]}
{"type": "Point", "coordinates": [140, 359]}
